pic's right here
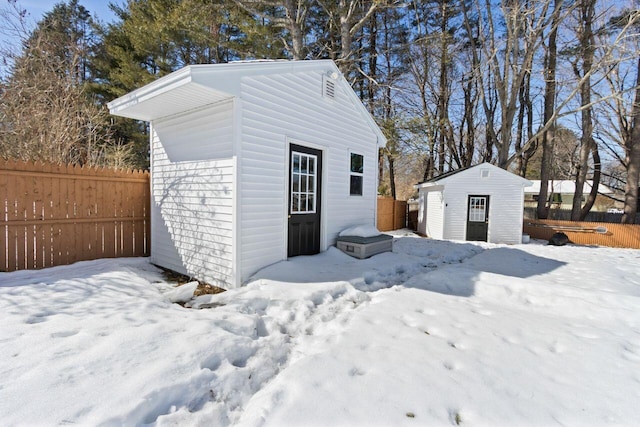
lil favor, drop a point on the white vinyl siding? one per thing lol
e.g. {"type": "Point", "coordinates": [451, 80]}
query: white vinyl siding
{"type": "Point", "coordinates": [280, 109]}
{"type": "Point", "coordinates": [435, 214]}
{"type": "Point", "coordinates": [192, 205]}
{"type": "Point", "coordinates": [506, 198]}
{"type": "Point", "coordinates": [220, 136]}
{"type": "Point", "coordinates": [202, 134]}
{"type": "Point", "coordinates": [506, 204]}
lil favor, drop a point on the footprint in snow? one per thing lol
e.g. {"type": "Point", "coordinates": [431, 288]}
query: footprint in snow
{"type": "Point", "coordinates": [37, 318]}
{"type": "Point", "coordinates": [355, 372]}
{"type": "Point", "coordinates": [557, 348]}
{"type": "Point", "coordinates": [211, 363]}
{"type": "Point", "coordinates": [482, 312]}
{"type": "Point", "coordinates": [63, 334]}
{"type": "Point", "coordinates": [451, 366]}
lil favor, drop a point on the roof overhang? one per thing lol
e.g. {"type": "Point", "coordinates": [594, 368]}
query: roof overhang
{"type": "Point", "coordinates": [176, 93]}
{"type": "Point", "coordinates": [196, 86]}
{"type": "Point", "coordinates": [429, 186]}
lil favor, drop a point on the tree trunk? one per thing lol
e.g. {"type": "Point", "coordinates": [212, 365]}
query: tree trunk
{"type": "Point", "coordinates": [633, 160]}
{"type": "Point", "coordinates": [587, 46]}
{"type": "Point", "coordinates": [392, 176]}
{"type": "Point", "coordinates": [549, 106]}
{"type": "Point", "coordinates": [596, 182]}
{"type": "Point", "coordinates": [442, 115]}
{"type": "Point", "coordinates": [633, 177]}
{"type": "Point", "coordinates": [380, 167]}
{"type": "Point", "coordinates": [295, 20]}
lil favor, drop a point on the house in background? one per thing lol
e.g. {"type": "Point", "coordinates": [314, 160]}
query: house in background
{"type": "Point", "coordinates": [479, 203]}
{"type": "Point", "coordinates": [562, 191]}
{"type": "Point", "coordinates": [253, 162]}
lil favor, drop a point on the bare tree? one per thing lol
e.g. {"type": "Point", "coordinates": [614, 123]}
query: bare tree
{"type": "Point", "coordinates": [586, 39]}
{"type": "Point", "coordinates": [288, 14]}
{"type": "Point", "coordinates": [632, 159]}
{"type": "Point", "coordinates": [619, 121]}
{"type": "Point", "coordinates": [45, 111]}
{"type": "Point", "coordinates": [542, 209]}
{"type": "Point", "coordinates": [508, 56]}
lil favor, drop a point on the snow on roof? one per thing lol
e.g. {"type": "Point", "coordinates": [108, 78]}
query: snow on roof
{"type": "Point", "coordinates": [565, 186]}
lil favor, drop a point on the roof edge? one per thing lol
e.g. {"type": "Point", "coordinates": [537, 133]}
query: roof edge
{"type": "Point", "coordinates": [435, 180]}
{"type": "Point", "coordinates": [163, 84]}
{"type": "Point", "coordinates": [192, 73]}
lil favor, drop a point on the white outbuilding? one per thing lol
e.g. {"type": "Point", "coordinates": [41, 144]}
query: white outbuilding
{"type": "Point", "coordinates": [480, 203]}
{"type": "Point", "coordinates": [253, 162]}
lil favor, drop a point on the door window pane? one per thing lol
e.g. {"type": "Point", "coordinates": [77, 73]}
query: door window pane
{"type": "Point", "coordinates": [295, 203]}
{"type": "Point", "coordinates": [296, 163]}
{"type": "Point", "coordinates": [303, 183]}
{"type": "Point", "coordinates": [477, 209]}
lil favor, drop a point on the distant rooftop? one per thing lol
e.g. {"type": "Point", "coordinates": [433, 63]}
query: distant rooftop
{"type": "Point", "coordinates": [565, 186]}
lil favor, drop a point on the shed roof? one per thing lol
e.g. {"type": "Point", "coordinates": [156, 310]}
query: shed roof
{"type": "Point", "coordinates": [196, 86]}
{"type": "Point", "coordinates": [444, 178]}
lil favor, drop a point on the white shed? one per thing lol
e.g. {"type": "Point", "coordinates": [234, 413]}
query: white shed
{"type": "Point", "coordinates": [253, 162]}
{"type": "Point", "coordinates": [482, 203]}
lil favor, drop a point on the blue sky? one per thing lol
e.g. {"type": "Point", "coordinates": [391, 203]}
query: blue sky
{"type": "Point", "coordinates": [10, 40]}
{"type": "Point", "coordinates": [99, 8]}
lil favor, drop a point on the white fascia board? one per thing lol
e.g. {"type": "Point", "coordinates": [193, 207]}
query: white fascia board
{"type": "Point", "coordinates": [162, 85]}
{"type": "Point", "coordinates": [158, 99]}
{"type": "Point", "coordinates": [429, 186]}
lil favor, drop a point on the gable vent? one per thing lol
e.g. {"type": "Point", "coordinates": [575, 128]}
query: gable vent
{"type": "Point", "coordinates": [328, 87]}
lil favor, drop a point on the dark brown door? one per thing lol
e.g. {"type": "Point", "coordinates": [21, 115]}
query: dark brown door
{"type": "Point", "coordinates": [305, 180]}
{"type": "Point", "coordinates": [478, 218]}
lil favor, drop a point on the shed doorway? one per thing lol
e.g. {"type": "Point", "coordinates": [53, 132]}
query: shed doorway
{"type": "Point", "coordinates": [478, 218]}
{"type": "Point", "coordinates": [305, 189]}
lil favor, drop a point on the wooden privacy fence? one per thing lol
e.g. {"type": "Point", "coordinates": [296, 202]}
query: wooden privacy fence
{"type": "Point", "coordinates": [56, 215]}
{"type": "Point", "coordinates": [565, 215]}
{"type": "Point", "coordinates": [586, 233]}
{"type": "Point", "coordinates": [392, 214]}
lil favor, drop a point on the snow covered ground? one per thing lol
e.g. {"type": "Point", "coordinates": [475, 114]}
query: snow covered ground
{"type": "Point", "coordinates": [435, 333]}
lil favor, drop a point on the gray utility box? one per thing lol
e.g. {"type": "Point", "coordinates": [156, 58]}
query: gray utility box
{"type": "Point", "coordinates": [364, 247]}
